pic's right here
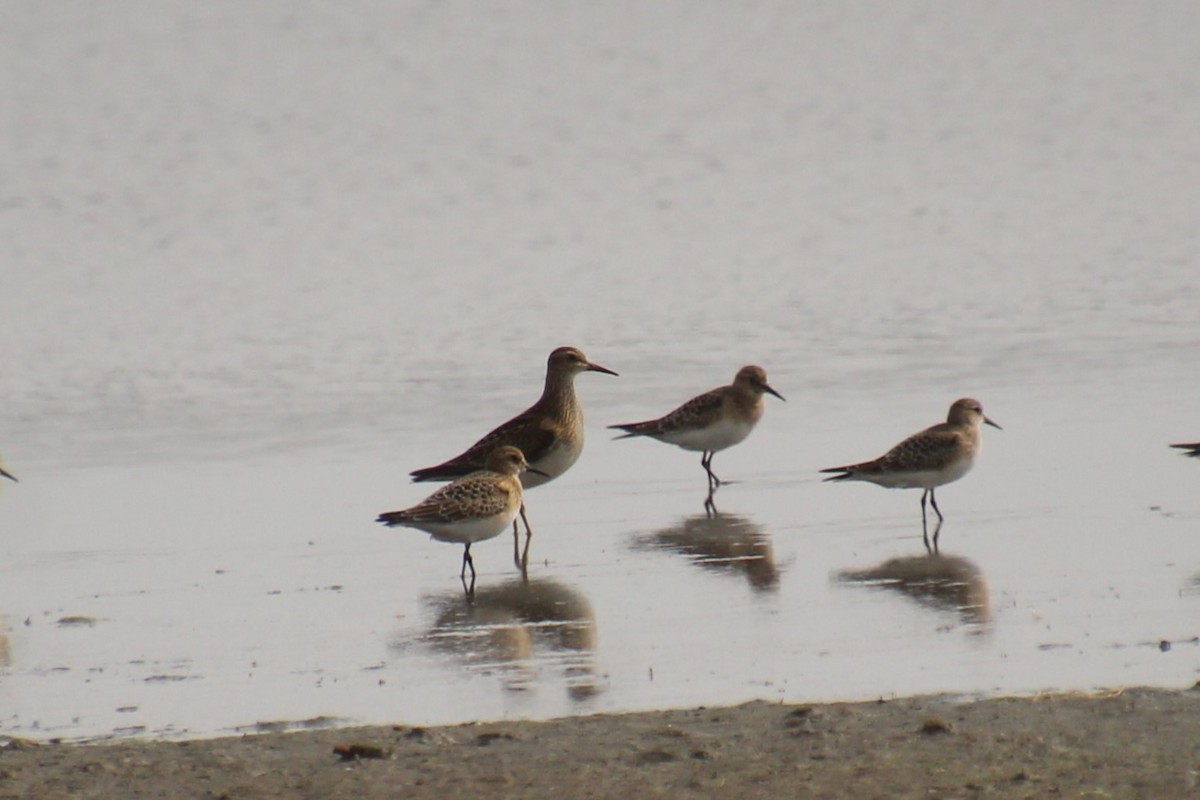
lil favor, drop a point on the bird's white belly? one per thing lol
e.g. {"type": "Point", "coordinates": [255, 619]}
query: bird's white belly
{"type": "Point", "coordinates": [475, 530]}
{"type": "Point", "coordinates": [556, 461]}
{"type": "Point", "coordinates": [923, 479]}
{"type": "Point", "coordinates": [722, 434]}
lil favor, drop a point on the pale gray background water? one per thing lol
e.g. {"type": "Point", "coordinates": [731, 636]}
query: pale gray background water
{"type": "Point", "coordinates": [260, 260]}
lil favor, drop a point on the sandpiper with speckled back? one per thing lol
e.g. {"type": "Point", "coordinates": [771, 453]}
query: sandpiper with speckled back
{"type": "Point", "coordinates": [712, 421]}
{"type": "Point", "coordinates": [926, 460]}
{"type": "Point", "coordinates": [477, 506]}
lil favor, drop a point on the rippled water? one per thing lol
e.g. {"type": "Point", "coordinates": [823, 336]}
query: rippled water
{"type": "Point", "coordinates": [261, 262]}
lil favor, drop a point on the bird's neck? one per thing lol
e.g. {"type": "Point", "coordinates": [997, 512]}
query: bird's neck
{"type": "Point", "coordinates": [745, 397]}
{"type": "Point", "coordinates": [559, 393]}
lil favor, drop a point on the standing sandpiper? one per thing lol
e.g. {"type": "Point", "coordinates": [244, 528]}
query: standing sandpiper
{"type": "Point", "coordinates": [712, 421]}
{"type": "Point", "coordinates": [1192, 449]}
{"type": "Point", "coordinates": [934, 457]}
{"type": "Point", "coordinates": [476, 507]}
{"type": "Point", "coordinates": [549, 433]}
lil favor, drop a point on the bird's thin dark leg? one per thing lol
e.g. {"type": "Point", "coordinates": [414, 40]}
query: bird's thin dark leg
{"type": "Point", "coordinates": [521, 557]}
{"type": "Point", "coordinates": [710, 507]}
{"type": "Point", "coordinates": [467, 562]}
{"type": "Point", "coordinates": [468, 588]}
{"type": "Point", "coordinates": [523, 564]}
{"type": "Point", "coordinates": [517, 557]}
{"type": "Point", "coordinates": [937, 531]}
{"type": "Point", "coordinates": [932, 550]}
{"type": "Point", "coordinates": [933, 502]}
{"type": "Point", "coordinates": [706, 462]}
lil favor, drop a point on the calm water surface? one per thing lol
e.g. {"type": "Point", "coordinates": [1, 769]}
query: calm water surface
{"type": "Point", "coordinates": [261, 262]}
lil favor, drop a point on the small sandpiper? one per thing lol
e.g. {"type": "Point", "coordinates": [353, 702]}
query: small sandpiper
{"type": "Point", "coordinates": [1192, 449]}
{"type": "Point", "coordinates": [936, 456]}
{"type": "Point", "coordinates": [712, 421]}
{"type": "Point", "coordinates": [473, 508]}
{"type": "Point", "coordinates": [549, 433]}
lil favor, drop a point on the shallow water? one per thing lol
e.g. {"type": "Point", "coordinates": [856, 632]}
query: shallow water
{"type": "Point", "coordinates": [260, 263]}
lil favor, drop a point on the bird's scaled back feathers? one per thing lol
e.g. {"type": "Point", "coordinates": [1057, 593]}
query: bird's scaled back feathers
{"type": "Point", "coordinates": [947, 448]}
{"type": "Point", "coordinates": [740, 403]}
{"type": "Point", "coordinates": [930, 449]}
{"type": "Point", "coordinates": [491, 495]}
{"type": "Point", "coordinates": [471, 497]}
{"type": "Point", "coordinates": [698, 412]}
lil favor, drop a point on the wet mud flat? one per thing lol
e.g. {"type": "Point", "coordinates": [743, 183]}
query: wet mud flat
{"type": "Point", "coordinates": [1131, 743]}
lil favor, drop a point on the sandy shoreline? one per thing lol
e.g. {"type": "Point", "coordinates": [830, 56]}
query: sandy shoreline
{"type": "Point", "coordinates": [1133, 743]}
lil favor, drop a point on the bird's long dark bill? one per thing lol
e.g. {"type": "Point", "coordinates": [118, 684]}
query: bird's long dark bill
{"type": "Point", "coordinates": [769, 390]}
{"type": "Point", "coordinates": [12, 478]}
{"type": "Point", "coordinates": [537, 471]}
{"type": "Point", "coordinates": [987, 421]}
{"type": "Point", "coordinates": [598, 368]}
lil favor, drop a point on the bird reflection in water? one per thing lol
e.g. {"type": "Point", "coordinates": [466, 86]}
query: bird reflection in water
{"type": "Point", "coordinates": [722, 543]}
{"type": "Point", "coordinates": [519, 628]}
{"type": "Point", "coordinates": [941, 581]}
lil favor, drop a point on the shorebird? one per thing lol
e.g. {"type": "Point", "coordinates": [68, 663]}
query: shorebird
{"type": "Point", "coordinates": [712, 421]}
{"type": "Point", "coordinates": [1192, 449]}
{"type": "Point", "coordinates": [473, 508]}
{"type": "Point", "coordinates": [934, 457]}
{"type": "Point", "coordinates": [549, 432]}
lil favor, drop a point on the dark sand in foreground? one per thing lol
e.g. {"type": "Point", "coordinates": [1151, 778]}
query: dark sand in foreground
{"type": "Point", "coordinates": [1139, 743]}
